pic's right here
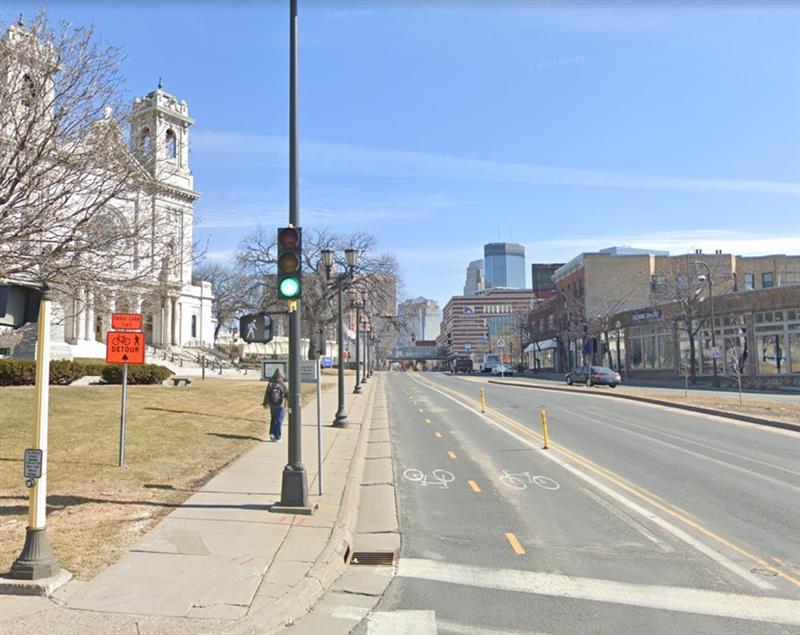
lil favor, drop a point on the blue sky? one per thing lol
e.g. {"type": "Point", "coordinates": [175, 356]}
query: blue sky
{"type": "Point", "coordinates": [439, 126]}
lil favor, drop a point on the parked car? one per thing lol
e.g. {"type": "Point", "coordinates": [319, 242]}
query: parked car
{"type": "Point", "coordinates": [591, 375]}
{"type": "Point", "coordinates": [503, 369]}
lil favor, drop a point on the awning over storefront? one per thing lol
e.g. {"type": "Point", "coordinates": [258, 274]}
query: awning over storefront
{"type": "Point", "coordinates": [541, 346]}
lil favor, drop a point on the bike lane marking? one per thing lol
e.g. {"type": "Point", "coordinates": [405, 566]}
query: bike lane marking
{"type": "Point", "coordinates": [667, 526]}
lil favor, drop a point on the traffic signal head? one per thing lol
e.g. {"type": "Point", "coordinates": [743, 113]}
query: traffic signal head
{"type": "Point", "coordinates": [449, 339]}
{"type": "Point", "coordinates": [290, 251]}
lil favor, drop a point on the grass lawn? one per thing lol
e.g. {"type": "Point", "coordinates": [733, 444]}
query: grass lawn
{"type": "Point", "coordinates": [177, 439]}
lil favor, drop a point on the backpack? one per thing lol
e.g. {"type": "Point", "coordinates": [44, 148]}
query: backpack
{"type": "Point", "coordinates": [276, 395]}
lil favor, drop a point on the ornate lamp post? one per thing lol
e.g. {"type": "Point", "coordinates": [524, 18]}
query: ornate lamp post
{"type": "Point", "coordinates": [707, 278]}
{"type": "Point", "coordinates": [365, 327]}
{"type": "Point", "coordinates": [351, 256]}
{"type": "Point", "coordinates": [357, 304]}
{"type": "Point", "coordinates": [365, 335]}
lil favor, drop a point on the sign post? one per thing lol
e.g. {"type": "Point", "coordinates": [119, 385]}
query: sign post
{"type": "Point", "coordinates": [37, 559]}
{"type": "Point", "coordinates": [125, 347]}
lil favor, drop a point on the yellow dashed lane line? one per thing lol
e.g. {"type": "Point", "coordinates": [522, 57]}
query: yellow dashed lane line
{"type": "Point", "coordinates": [451, 454]}
{"type": "Point", "coordinates": [512, 540]}
{"type": "Point", "coordinates": [474, 487]}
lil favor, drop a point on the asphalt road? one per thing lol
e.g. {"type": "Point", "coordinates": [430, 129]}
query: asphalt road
{"type": "Point", "coordinates": [637, 519]}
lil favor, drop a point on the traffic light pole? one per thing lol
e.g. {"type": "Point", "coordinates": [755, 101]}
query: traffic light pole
{"type": "Point", "coordinates": [294, 485]}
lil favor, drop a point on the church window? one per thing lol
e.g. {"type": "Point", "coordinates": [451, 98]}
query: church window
{"type": "Point", "coordinates": [172, 145]}
{"type": "Point", "coordinates": [147, 144]}
{"type": "Point", "coordinates": [194, 327]}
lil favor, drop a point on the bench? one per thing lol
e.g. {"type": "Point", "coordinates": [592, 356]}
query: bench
{"type": "Point", "coordinates": [177, 381]}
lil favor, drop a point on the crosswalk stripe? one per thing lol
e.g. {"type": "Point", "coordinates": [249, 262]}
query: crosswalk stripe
{"type": "Point", "coordinates": [401, 623]}
{"type": "Point", "coordinates": [685, 600]}
{"type": "Point", "coordinates": [446, 626]}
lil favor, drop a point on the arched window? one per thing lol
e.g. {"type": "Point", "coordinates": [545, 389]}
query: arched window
{"type": "Point", "coordinates": [172, 145]}
{"type": "Point", "coordinates": [194, 327]}
{"type": "Point", "coordinates": [146, 141]}
{"type": "Point", "coordinates": [28, 91]}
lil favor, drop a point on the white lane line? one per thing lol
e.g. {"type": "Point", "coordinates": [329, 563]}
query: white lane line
{"type": "Point", "coordinates": [602, 415]}
{"type": "Point", "coordinates": [630, 521]}
{"type": "Point", "coordinates": [699, 455]}
{"type": "Point", "coordinates": [401, 623]}
{"type": "Point", "coordinates": [667, 526]}
{"type": "Point", "coordinates": [684, 600]}
{"type": "Point", "coordinates": [446, 626]}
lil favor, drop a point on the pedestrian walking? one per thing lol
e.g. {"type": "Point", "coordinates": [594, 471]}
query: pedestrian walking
{"type": "Point", "coordinates": [274, 399]}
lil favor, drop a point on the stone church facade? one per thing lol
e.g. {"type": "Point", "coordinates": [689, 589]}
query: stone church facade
{"type": "Point", "coordinates": [177, 311]}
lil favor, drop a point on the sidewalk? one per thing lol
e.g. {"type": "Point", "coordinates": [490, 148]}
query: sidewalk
{"type": "Point", "coordinates": [222, 562]}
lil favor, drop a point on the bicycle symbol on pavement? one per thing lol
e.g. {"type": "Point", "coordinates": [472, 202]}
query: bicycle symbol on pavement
{"type": "Point", "coordinates": [521, 480]}
{"type": "Point", "coordinates": [440, 478]}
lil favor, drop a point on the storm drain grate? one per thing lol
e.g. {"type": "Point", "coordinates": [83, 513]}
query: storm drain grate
{"type": "Point", "coordinates": [373, 558]}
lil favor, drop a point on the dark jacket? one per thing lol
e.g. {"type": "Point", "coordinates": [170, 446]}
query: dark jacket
{"type": "Point", "coordinates": [279, 380]}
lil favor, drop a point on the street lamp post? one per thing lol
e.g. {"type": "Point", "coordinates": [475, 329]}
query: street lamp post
{"type": "Point", "coordinates": [365, 335]}
{"type": "Point", "coordinates": [351, 256]}
{"type": "Point", "coordinates": [358, 305]}
{"type": "Point", "coordinates": [365, 330]}
{"type": "Point", "coordinates": [618, 326]}
{"type": "Point", "coordinates": [707, 278]}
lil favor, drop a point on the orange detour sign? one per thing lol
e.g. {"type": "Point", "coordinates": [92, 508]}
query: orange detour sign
{"type": "Point", "coordinates": [125, 347]}
{"type": "Point", "coordinates": [126, 321]}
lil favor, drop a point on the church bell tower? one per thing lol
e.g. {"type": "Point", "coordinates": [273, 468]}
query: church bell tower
{"type": "Point", "coordinates": [160, 137]}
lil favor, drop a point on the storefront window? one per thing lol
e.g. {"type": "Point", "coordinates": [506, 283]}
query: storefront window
{"type": "Point", "coordinates": [772, 354]}
{"type": "Point", "coordinates": [666, 350]}
{"type": "Point", "coordinates": [637, 356]}
{"type": "Point", "coordinates": [794, 351]}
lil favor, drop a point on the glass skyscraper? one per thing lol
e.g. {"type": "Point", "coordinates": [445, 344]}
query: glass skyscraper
{"type": "Point", "coordinates": [504, 265]}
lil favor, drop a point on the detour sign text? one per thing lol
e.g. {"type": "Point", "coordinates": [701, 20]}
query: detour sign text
{"type": "Point", "coordinates": [125, 347]}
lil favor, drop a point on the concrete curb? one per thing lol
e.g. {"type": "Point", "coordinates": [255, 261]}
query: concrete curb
{"type": "Point", "coordinates": [330, 564]}
{"type": "Point", "coordinates": [772, 423]}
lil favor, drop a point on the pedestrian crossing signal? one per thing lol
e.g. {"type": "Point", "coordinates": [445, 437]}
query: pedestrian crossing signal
{"type": "Point", "coordinates": [290, 269]}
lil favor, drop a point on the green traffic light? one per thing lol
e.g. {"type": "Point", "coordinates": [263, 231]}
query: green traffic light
{"type": "Point", "coordinates": [289, 288]}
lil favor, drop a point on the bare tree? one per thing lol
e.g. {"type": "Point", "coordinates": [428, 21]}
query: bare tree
{"type": "Point", "coordinates": [74, 202]}
{"type": "Point", "coordinates": [376, 273]}
{"type": "Point", "coordinates": [231, 286]}
{"type": "Point", "coordinates": [688, 300]}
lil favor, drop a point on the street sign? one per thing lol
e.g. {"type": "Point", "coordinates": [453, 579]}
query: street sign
{"type": "Point", "coordinates": [126, 321]}
{"type": "Point", "coordinates": [468, 347]}
{"type": "Point", "coordinates": [125, 347]}
{"type": "Point", "coordinates": [501, 343]}
{"type": "Point", "coordinates": [32, 463]}
{"type": "Point", "coordinates": [308, 371]}
{"type": "Point", "coordinates": [268, 368]}
{"type": "Point", "coordinates": [327, 362]}
{"type": "Point", "coordinates": [256, 328]}
{"type": "Point", "coordinates": [715, 352]}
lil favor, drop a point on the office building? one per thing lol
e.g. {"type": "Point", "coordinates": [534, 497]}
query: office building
{"type": "Point", "coordinates": [504, 265]}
